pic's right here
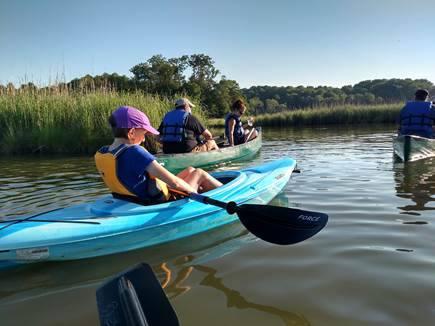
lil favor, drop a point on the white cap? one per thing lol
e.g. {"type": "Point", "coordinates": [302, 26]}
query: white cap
{"type": "Point", "coordinates": [183, 101]}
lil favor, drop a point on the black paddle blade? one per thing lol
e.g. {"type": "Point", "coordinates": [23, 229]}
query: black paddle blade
{"type": "Point", "coordinates": [135, 298]}
{"type": "Point", "coordinates": [281, 225]}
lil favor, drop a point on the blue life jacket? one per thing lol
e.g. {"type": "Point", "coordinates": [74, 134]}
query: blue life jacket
{"type": "Point", "coordinates": [417, 118]}
{"type": "Point", "coordinates": [239, 132]}
{"type": "Point", "coordinates": [173, 126]}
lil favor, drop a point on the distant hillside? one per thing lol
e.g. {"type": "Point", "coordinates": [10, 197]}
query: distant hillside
{"type": "Point", "coordinates": [272, 99]}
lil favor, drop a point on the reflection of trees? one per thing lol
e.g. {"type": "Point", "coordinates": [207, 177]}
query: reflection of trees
{"type": "Point", "coordinates": [415, 181]}
{"type": "Point", "coordinates": [234, 298]}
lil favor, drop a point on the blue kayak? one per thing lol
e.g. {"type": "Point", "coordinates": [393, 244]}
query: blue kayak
{"type": "Point", "coordinates": [109, 225]}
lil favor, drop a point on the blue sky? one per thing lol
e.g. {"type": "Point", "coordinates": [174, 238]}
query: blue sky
{"type": "Point", "coordinates": [274, 42]}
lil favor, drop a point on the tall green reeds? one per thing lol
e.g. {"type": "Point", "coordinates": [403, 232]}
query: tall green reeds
{"type": "Point", "coordinates": [340, 115]}
{"type": "Point", "coordinates": [59, 120]}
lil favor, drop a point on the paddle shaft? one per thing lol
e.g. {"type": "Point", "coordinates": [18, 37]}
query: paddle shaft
{"type": "Point", "coordinates": [50, 220]}
{"type": "Point", "coordinates": [231, 207]}
{"type": "Point", "coordinates": [249, 135]}
{"type": "Point", "coordinates": [33, 219]}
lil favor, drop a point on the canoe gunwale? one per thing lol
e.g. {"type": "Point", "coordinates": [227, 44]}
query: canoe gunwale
{"type": "Point", "coordinates": [412, 148]}
{"type": "Point", "coordinates": [180, 161]}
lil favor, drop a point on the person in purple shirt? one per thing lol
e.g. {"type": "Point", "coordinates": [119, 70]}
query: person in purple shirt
{"type": "Point", "coordinates": [129, 170]}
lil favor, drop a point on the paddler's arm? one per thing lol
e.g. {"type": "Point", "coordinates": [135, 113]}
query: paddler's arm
{"type": "Point", "coordinates": [231, 125]}
{"type": "Point", "coordinates": [158, 171]}
{"type": "Point", "coordinates": [207, 134]}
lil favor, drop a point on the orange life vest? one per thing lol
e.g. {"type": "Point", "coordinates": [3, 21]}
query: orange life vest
{"type": "Point", "coordinates": [106, 161]}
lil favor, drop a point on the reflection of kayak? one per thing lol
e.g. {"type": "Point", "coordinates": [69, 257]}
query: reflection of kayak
{"type": "Point", "coordinates": [412, 148]}
{"type": "Point", "coordinates": [110, 225]}
{"type": "Point", "coordinates": [201, 248]}
{"type": "Point", "coordinates": [178, 162]}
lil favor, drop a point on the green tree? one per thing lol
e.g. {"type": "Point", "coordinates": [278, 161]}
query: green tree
{"type": "Point", "coordinates": [256, 106]}
{"type": "Point", "coordinates": [160, 75]}
{"type": "Point", "coordinates": [221, 97]}
{"type": "Point", "coordinates": [202, 78]}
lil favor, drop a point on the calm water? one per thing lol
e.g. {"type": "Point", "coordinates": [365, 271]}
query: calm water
{"type": "Point", "coordinates": [372, 265]}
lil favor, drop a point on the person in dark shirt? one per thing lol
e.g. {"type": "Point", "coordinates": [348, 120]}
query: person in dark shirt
{"type": "Point", "coordinates": [234, 130]}
{"type": "Point", "coordinates": [180, 131]}
{"type": "Point", "coordinates": [417, 117]}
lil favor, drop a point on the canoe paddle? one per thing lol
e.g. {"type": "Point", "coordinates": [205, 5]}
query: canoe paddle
{"type": "Point", "coordinates": [135, 298]}
{"type": "Point", "coordinates": [274, 224]}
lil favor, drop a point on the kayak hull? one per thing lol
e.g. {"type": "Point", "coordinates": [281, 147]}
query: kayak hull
{"type": "Point", "coordinates": [124, 226]}
{"type": "Point", "coordinates": [178, 162]}
{"type": "Point", "coordinates": [412, 148]}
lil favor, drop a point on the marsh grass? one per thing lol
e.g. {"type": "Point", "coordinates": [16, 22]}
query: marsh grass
{"type": "Point", "coordinates": [340, 115]}
{"type": "Point", "coordinates": [58, 120]}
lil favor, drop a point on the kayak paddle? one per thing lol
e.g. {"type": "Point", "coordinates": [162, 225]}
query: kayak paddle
{"type": "Point", "coordinates": [32, 218]}
{"type": "Point", "coordinates": [275, 224]}
{"type": "Point", "coordinates": [135, 298]}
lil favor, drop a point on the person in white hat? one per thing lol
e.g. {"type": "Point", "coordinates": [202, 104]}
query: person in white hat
{"type": "Point", "coordinates": [180, 131]}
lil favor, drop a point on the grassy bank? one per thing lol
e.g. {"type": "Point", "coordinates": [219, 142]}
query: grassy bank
{"type": "Point", "coordinates": [351, 114]}
{"type": "Point", "coordinates": [61, 121]}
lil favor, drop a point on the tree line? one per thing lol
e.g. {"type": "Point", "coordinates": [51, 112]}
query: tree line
{"type": "Point", "coordinates": [272, 99]}
{"type": "Point", "coordinates": [197, 77]}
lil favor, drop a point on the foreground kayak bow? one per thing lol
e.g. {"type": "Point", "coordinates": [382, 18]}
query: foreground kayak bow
{"type": "Point", "coordinates": [135, 298]}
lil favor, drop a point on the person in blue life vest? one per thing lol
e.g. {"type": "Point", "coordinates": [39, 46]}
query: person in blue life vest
{"type": "Point", "coordinates": [417, 117]}
{"type": "Point", "coordinates": [234, 130]}
{"type": "Point", "coordinates": [131, 172]}
{"type": "Point", "coordinates": [180, 131]}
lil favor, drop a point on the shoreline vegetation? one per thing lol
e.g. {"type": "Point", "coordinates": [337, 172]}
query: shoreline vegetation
{"type": "Point", "coordinates": [320, 116]}
{"type": "Point", "coordinates": [62, 121]}
{"type": "Point", "coordinates": [71, 117]}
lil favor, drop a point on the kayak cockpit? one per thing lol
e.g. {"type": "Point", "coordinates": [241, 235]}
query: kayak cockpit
{"type": "Point", "coordinates": [109, 205]}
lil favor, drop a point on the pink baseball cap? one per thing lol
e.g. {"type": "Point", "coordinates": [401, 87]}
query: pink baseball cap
{"type": "Point", "coordinates": [130, 117]}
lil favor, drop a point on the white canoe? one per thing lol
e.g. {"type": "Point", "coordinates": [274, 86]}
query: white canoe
{"type": "Point", "coordinates": [413, 148]}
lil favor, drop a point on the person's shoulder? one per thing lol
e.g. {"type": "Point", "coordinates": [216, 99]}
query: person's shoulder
{"type": "Point", "coordinates": [104, 149]}
{"type": "Point", "coordinates": [192, 119]}
{"type": "Point", "coordinates": [168, 113]}
{"type": "Point", "coordinates": [190, 116]}
{"type": "Point", "coordinates": [139, 150]}
{"type": "Point", "coordinates": [232, 116]}
{"type": "Point", "coordinates": [136, 148]}
{"type": "Point", "coordinates": [137, 153]}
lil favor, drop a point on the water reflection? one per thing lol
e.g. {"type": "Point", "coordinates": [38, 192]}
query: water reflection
{"type": "Point", "coordinates": [175, 285]}
{"type": "Point", "coordinates": [177, 278]}
{"type": "Point", "coordinates": [415, 181]}
{"type": "Point", "coordinates": [32, 280]}
{"type": "Point", "coordinates": [52, 277]}
{"type": "Point", "coordinates": [368, 248]}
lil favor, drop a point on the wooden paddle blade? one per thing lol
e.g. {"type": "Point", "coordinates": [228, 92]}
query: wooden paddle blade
{"type": "Point", "coordinates": [281, 225]}
{"type": "Point", "coordinates": [135, 297]}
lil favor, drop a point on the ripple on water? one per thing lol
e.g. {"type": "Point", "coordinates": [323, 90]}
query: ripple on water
{"type": "Point", "coordinates": [371, 265]}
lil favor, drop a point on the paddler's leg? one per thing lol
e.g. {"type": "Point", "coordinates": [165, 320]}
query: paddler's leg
{"type": "Point", "coordinates": [199, 179]}
{"type": "Point", "coordinates": [185, 172]}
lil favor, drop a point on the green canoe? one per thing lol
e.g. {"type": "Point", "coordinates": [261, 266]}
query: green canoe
{"type": "Point", "coordinates": [412, 148]}
{"type": "Point", "coordinates": [178, 162]}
